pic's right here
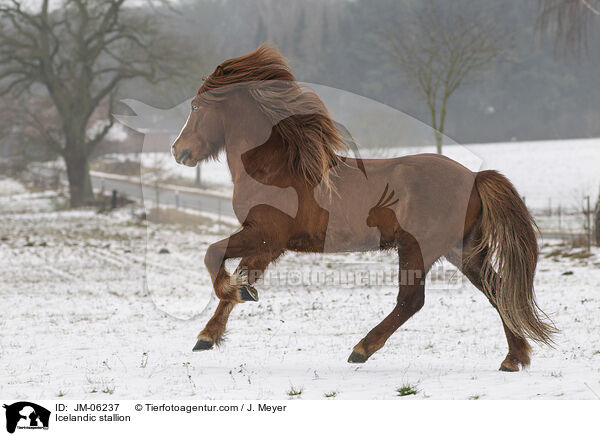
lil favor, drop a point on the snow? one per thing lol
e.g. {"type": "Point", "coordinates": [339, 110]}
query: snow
{"type": "Point", "coordinates": [80, 321]}
{"type": "Point", "coordinates": [10, 187]}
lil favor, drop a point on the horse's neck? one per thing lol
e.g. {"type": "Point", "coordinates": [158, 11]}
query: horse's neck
{"type": "Point", "coordinates": [234, 161]}
{"type": "Point", "coordinates": [234, 151]}
{"type": "Point", "coordinates": [245, 128]}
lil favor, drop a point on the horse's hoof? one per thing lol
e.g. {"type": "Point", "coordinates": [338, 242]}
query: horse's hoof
{"type": "Point", "coordinates": [508, 368]}
{"type": "Point", "coordinates": [203, 344]}
{"type": "Point", "coordinates": [357, 358]}
{"type": "Point", "coordinates": [248, 293]}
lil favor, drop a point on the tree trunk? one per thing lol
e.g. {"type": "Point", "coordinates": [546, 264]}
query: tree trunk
{"type": "Point", "coordinates": [434, 125]}
{"type": "Point", "coordinates": [439, 136]}
{"type": "Point", "coordinates": [438, 142]}
{"type": "Point", "coordinates": [78, 174]}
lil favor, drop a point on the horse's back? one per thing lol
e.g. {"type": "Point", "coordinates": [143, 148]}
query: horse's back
{"type": "Point", "coordinates": [432, 193]}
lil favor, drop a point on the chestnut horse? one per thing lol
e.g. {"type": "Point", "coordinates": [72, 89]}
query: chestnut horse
{"type": "Point", "coordinates": [294, 191]}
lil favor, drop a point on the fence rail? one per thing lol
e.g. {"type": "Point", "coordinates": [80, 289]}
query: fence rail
{"type": "Point", "coordinates": [580, 225]}
{"type": "Point", "coordinates": [184, 197]}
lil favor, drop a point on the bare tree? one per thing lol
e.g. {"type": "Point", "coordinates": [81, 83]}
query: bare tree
{"type": "Point", "coordinates": [71, 58]}
{"type": "Point", "coordinates": [438, 53]}
{"type": "Point", "coordinates": [568, 20]}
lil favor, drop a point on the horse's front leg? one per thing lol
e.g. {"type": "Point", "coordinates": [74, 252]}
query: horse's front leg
{"type": "Point", "coordinates": [257, 250]}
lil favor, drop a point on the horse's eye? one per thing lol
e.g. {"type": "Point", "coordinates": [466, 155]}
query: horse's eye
{"type": "Point", "coordinates": [194, 108]}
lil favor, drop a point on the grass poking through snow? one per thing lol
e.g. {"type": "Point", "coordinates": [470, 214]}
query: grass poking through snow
{"type": "Point", "coordinates": [407, 389]}
{"type": "Point", "coordinates": [294, 392]}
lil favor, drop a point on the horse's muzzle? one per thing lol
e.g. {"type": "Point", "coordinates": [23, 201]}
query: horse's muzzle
{"type": "Point", "coordinates": [182, 157]}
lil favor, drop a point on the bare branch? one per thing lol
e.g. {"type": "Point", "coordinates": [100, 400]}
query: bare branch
{"type": "Point", "coordinates": [77, 55]}
{"type": "Point", "coordinates": [569, 21]}
{"type": "Point", "coordinates": [439, 53]}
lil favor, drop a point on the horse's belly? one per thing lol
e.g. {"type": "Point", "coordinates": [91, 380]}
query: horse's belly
{"type": "Point", "coordinates": [340, 237]}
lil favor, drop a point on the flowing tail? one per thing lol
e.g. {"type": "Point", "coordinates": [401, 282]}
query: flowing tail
{"type": "Point", "coordinates": [509, 244]}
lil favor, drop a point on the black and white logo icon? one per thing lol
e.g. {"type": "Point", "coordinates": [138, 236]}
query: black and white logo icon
{"type": "Point", "coordinates": [26, 415]}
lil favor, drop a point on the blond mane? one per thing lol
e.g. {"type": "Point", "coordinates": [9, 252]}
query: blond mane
{"type": "Point", "coordinates": [297, 114]}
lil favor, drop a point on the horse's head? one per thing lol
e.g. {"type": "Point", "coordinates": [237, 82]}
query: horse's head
{"type": "Point", "coordinates": [203, 134]}
{"type": "Point", "coordinates": [249, 98]}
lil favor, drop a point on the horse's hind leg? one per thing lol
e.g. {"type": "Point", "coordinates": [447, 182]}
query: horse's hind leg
{"type": "Point", "coordinates": [518, 348]}
{"type": "Point", "coordinates": [410, 300]}
{"type": "Point", "coordinates": [471, 267]}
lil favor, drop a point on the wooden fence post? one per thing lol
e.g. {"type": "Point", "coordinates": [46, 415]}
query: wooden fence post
{"type": "Point", "coordinates": [113, 199]}
{"type": "Point", "coordinates": [597, 221]}
{"type": "Point", "coordinates": [588, 222]}
{"type": "Point", "coordinates": [198, 176]}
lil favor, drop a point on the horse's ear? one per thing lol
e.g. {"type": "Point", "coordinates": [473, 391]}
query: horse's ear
{"type": "Point", "coordinates": [5, 406]}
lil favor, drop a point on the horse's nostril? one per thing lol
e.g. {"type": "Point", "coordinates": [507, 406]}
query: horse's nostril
{"type": "Point", "coordinates": [183, 156]}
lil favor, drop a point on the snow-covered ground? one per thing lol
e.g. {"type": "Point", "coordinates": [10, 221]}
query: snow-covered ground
{"type": "Point", "coordinates": [78, 321]}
